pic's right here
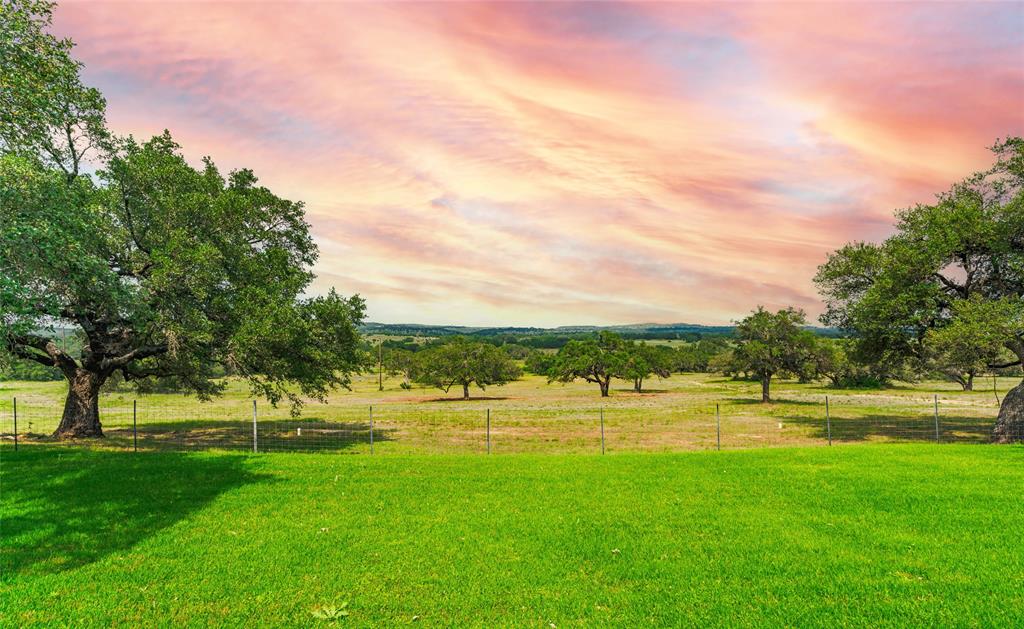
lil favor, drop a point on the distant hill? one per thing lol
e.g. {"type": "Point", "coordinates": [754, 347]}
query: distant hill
{"type": "Point", "coordinates": [636, 330]}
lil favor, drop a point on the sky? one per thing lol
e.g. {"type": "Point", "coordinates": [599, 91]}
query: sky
{"type": "Point", "coordinates": [571, 163]}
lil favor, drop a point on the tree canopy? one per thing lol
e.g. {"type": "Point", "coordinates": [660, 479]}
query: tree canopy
{"type": "Point", "coordinates": [460, 361]}
{"type": "Point", "coordinates": [641, 360]}
{"type": "Point", "coordinates": [773, 343]}
{"type": "Point", "coordinates": [595, 360]}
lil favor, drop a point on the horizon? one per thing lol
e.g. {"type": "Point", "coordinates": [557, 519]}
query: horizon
{"type": "Point", "coordinates": [546, 165]}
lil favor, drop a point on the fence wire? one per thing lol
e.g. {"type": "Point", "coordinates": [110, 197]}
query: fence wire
{"type": "Point", "coordinates": [244, 425]}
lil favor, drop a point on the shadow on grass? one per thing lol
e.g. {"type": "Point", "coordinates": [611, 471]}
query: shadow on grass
{"type": "Point", "coordinates": [65, 508]}
{"type": "Point", "coordinates": [472, 398]}
{"type": "Point", "coordinates": [292, 435]}
{"type": "Point", "coordinates": [909, 428]}
{"type": "Point", "coordinates": [745, 401]}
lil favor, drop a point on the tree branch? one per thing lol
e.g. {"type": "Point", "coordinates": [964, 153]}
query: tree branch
{"type": "Point", "coordinates": [56, 356]}
{"type": "Point", "coordinates": [136, 354]}
{"type": "Point", "coordinates": [950, 284]}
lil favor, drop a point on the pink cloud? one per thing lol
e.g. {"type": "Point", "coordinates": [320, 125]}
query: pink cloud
{"type": "Point", "coordinates": [517, 163]}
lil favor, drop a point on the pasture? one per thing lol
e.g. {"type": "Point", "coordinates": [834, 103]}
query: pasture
{"type": "Point", "coordinates": [531, 416]}
{"type": "Point", "coordinates": [881, 535]}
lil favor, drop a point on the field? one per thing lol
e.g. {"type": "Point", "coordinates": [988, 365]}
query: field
{"type": "Point", "coordinates": [531, 416]}
{"type": "Point", "coordinates": [882, 535]}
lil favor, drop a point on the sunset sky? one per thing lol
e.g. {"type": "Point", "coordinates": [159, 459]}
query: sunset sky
{"type": "Point", "coordinates": [567, 163]}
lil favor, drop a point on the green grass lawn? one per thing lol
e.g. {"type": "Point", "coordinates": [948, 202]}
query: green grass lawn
{"type": "Point", "coordinates": [881, 535]}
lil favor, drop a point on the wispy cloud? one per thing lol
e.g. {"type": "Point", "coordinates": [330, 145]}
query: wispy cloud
{"type": "Point", "coordinates": [558, 163]}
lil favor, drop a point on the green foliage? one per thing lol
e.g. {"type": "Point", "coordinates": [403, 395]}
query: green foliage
{"type": "Point", "coordinates": [595, 360]}
{"type": "Point", "coordinates": [539, 362]}
{"type": "Point", "coordinates": [974, 338]}
{"type": "Point", "coordinates": [771, 344]}
{"type": "Point", "coordinates": [30, 371]}
{"type": "Point", "coordinates": [464, 362]}
{"type": "Point", "coordinates": [641, 360]}
{"type": "Point", "coordinates": [46, 114]}
{"type": "Point", "coordinates": [697, 357]}
{"type": "Point", "coordinates": [909, 298]}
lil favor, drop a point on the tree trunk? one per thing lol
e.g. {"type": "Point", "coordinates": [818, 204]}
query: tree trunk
{"type": "Point", "coordinates": [605, 384]}
{"type": "Point", "coordinates": [81, 416]}
{"type": "Point", "coordinates": [465, 390]}
{"type": "Point", "coordinates": [1010, 423]}
{"type": "Point", "coordinates": [969, 384]}
{"type": "Point", "coordinates": [638, 385]}
{"type": "Point", "coordinates": [766, 382]}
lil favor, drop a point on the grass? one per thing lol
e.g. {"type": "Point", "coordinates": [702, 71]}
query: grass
{"type": "Point", "coordinates": [884, 535]}
{"type": "Point", "coordinates": [531, 416]}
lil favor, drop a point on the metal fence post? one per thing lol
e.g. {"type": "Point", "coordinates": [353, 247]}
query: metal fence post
{"type": "Point", "coordinates": [936, 418]}
{"type": "Point", "coordinates": [718, 427]}
{"type": "Point", "coordinates": [371, 429]}
{"type": "Point", "coordinates": [16, 424]}
{"type": "Point", "coordinates": [828, 422]}
{"type": "Point", "coordinates": [135, 426]}
{"type": "Point", "coordinates": [255, 447]}
{"type": "Point", "coordinates": [602, 430]}
{"type": "Point", "coordinates": [488, 431]}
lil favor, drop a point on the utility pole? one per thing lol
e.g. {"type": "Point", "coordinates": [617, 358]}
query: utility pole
{"type": "Point", "coordinates": [380, 365]}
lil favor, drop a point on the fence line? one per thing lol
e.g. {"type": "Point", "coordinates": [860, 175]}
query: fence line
{"type": "Point", "coordinates": [142, 425]}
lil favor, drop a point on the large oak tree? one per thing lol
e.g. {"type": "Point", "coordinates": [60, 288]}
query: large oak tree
{"type": "Point", "coordinates": [166, 269]}
{"type": "Point", "coordinates": [953, 269]}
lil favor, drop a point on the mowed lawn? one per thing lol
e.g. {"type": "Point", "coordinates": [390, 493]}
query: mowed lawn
{"type": "Point", "coordinates": [879, 535]}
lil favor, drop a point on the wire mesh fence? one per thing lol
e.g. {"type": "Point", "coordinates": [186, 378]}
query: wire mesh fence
{"type": "Point", "coordinates": [184, 424]}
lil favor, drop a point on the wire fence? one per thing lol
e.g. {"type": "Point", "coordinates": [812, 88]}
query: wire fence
{"type": "Point", "coordinates": [246, 425]}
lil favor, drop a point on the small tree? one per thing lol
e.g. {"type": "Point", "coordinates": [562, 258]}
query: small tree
{"type": "Point", "coordinates": [965, 348]}
{"type": "Point", "coordinates": [594, 360]}
{"type": "Point", "coordinates": [772, 344]}
{"type": "Point", "coordinates": [642, 360]}
{"type": "Point", "coordinates": [459, 361]}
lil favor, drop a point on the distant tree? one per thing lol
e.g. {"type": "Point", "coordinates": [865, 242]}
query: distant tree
{"type": "Point", "coordinates": [968, 246]}
{"type": "Point", "coordinates": [516, 351]}
{"type": "Point", "coordinates": [773, 343]}
{"type": "Point", "coordinates": [539, 362]}
{"type": "Point", "coordinates": [726, 363]}
{"type": "Point", "coordinates": [30, 371]}
{"type": "Point", "coordinates": [696, 357]}
{"type": "Point", "coordinates": [166, 270]}
{"type": "Point", "coordinates": [460, 361]}
{"type": "Point", "coordinates": [641, 360]}
{"type": "Point", "coordinates": [396, 361]}
{"type": "Point", "coordinates": [594, 360]}
{"type": "Point", "coordinates": [967, 346]}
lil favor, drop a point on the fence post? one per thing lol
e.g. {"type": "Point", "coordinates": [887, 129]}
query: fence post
{"type": "Point", "coordinates": [828, 421]}
{"type": "Point", "coordinates": [255, 447]}
{"type": "Point", "coordinates": [936, 418]}
{"type": "Point", "coordinates": [602, 430]}
{"type": "Point", "coordinates": [718, 427]}
{"type": "Point", "coordinates": [135, 426]}
{"type": "Point", "coordinates": [16, 424]}
{"type": "Point", "coordinates": [371, 429]}
{"type": "Point", "coordinates": [488, 431]}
